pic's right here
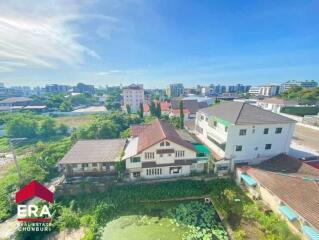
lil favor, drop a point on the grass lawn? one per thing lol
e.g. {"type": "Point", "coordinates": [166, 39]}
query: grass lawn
{"type": "Point", "coordinates": [75, 121]}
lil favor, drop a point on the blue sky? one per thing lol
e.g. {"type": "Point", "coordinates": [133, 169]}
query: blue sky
{"type": "Point", "coordinates": [156, 42]}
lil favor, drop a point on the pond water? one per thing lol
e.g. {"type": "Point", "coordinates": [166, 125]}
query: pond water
{"type": "Point", "coordinates": [139, 227]}
{"type": "Point", "coordinates": [166, 221]}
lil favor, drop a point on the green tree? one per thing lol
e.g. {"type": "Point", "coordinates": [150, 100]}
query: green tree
{"type": "Point", "coordinates": [158, 110]}
{"type": "Point", "coordinates": [65, 106]}
{"type": "Point", "coordinates": [21, 127]}
{"type": "Point", "coordinates": [141, 111]}
{"type": "Point", "coordinates": [181, 114]}
{"type": "Point", "coordinates": [153, 109]}
{"type": "Point", "coordinates": [47, 128]}
{"type": "Point", "coordinates": [128, 109]}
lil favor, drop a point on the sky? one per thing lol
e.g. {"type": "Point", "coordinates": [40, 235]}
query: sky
{"type": "Point", "coordinates": [157, 42]}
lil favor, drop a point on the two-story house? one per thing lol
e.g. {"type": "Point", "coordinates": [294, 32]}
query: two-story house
{"type": "Point", "coordinates": [240, 133]}
{"type": "Point", "coordinates": [157, 151]}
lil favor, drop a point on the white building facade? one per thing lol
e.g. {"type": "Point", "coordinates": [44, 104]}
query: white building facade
{"type": "Point", "coordinates": [133, 96]}
{"type": "Point", "coordinates": [239, 133]}
{"type": "Point", "coordinates": [158, 152]}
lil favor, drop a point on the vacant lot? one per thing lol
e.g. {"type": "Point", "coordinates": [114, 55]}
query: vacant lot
{"type": "Point", "coordinates": [307, 137]}
{"type": "Point", "coordinates": [75, 121]}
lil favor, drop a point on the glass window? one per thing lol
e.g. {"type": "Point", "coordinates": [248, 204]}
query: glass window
{"type": "Point", "coordinates": [239, 148]}
{"type": "Point", "coordinates": [167, 143]}
{"type": "Point", "coordinates": [266, 130]}
{"type": "Point", "coordinates": [242, 132]}
{"type": "Point", "coordinates": [85, 164]}
{"type": "Point", "coordinates": [226, 129]}
{"type": "Point", "coordinates": [278, 130]}
{"type": "Point", "coordinates": [94, 164]}
{"type": "Point", "coordinates": [137, 174]}
{"type": "Point", "coordinates": [162, 144]}
{"type": "Point", "coordinates": [135, 159]}
{"type": "Point", "coordinates": [215, 123]}
{"type": "Point", "coordinates": [268, 146]}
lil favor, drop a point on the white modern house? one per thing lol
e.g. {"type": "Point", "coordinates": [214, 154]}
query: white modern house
{"type": "Point", "coordinates": [133, 95]}
{"type": "Point", "coordinates": [242, 134]}
{"type": "Point", "coordinates": [157, 151]}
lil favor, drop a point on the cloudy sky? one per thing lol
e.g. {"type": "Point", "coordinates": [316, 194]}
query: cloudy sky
{"type": "Point", "coordinates": [156, 42]}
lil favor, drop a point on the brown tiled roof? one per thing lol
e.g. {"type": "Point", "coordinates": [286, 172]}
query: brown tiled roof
{"type": "Point", "coordinates": [243, 113]}
{"type": "Point", "coordinates": [159, 131]}
{"type": "Point", "coordinates": [137, 129]}
{"type": "Point", "coordinates": [280, 101]}
{"type": "Point", "coordinates": [191, 104]}
{"type": "Point", "coordinates": [95, 151]}
{"type": "Point", "coordinates": [300, 194]}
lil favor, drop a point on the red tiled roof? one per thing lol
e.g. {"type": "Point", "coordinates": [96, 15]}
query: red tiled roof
{"type": "Point", "coordinates": [176, 111]}
{"type": "Point", "coordinates": [287, 178]}
{"type": "Point", "coordinates": [314, 164]}
{"type": "Point", "coordinates": [159, 131]}
{"type": "Point", "coordinates": [165, 106]}
{"type": "Point", "coordinates": [137, 129]}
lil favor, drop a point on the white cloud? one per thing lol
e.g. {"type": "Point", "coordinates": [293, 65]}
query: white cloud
{"type": "Point", "coordinates": [107, 73]}
{"type": "Point", "coordinates": [43, 33]}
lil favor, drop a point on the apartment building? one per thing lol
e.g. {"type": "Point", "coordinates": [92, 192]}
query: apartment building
{"type": "Point", "coordinates": [133, 95]}
{"type": "Point", "coordinates": [305, 84]}
{"type": "Point", "coordinates": [287, 186]}
{"type": "Point", "coordinates": [175, 90]}
{"type": "Point", "coordinates": [157, 151]}
{"type": "Point", "coordinates": [266, 90]}
{"type": "Point", "coordinates": [240, 133]}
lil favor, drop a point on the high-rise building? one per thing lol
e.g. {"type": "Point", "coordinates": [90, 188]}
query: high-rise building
{"type": "Point", "coordinates": [306, 84]}
{"type": "Point", "coordinates": [175, 90]}
{"type": "Point", "coordinates": [265, 90]}
{"type": "Point", "coordinates": [84, 88]}
{"type": "Point", "coordinates": [133, 95]}
{"type": "Point", "coordinates": [56, 88]}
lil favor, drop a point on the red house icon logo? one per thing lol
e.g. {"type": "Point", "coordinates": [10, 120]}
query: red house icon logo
{"type": "Point", "coordinates": [34, 189]}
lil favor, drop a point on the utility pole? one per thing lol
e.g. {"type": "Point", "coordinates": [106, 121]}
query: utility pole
{"type": "Point", "coordinates": [15, 158]}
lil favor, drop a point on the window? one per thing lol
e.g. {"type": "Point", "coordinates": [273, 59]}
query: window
{"type": "Point", "coordinates": [149, 155]}
{"type": "Point", "coordinates": [135, 159]}
{"type": "Point", "coordinates": [202, 117]}
{"type": "Point", "coordinates": [180, 153]}
{"type": "Point", "coordinates": [136, 174]}
{"type": "Point", "coordinates": [162, 144]}
{"type": "Point", "coordinates": [74, 165]}
{"type": "Point", "coordinates": [268, 146]}
{"type": "Point", "coordinates": [154, 171]}
{"type": "Point", "coordinates": [167, 144]}
{"type": "Point", "coordinates": [238, 148]}
{"type": "Point", "coordinates": [85, 165]}
{"type": "Point", "coordinates": [104, 164]}
{"type": "Point", "coordinates": [278, 130]}
{"type": "Point", "coordinates": [94, 164]}
{"type": "Point", "coordinates": [266, 130]}
{"type": "Point", "coordinates": [222, 168]}
{"type": "Point", "coordinates": [226, 129]}
{"type": "Point", "coordinates": [175, 170]}
{"type": "Point", "coordinates": [242, 132]}
{"type": "Point", "coordinates": [215, 123]}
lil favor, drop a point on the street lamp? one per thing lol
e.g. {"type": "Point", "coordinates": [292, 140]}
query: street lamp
{"type": "Point", "coordinates": [11, 140]}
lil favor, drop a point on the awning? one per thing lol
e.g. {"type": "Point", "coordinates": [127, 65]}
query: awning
{"type": "Point", "coordinates": [289, 213]}
{"type": "Point", "coordinates": [249, 180]}
{"type": "Point", "coordinates": [311, 232]}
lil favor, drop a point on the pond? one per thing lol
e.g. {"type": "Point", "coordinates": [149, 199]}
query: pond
{"type": "Point", "coordinates": [166, 221]}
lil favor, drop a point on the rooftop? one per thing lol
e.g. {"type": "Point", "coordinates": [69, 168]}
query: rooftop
{"type": "Point", "coordinates": [94, 151]}
{"type": "Point", "coordinates": [158, 131]}
{"type": "Point", "coordinates": [242, 113]}
{"type": "Point", "coordinates": [293, 182]}
{"type": "Point", "coordinates": [15, 100]}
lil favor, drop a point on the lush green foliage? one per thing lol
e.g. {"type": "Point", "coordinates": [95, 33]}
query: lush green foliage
{"type": "Point", "coordinates": [109, 125]}
{"type": "Point", "coordinates": [40, 165]}
{"type": "Point", "coordinates": [302, 95]}
{"type": "Point", "coordinates": [202, 219]}
{"type": "Point", "coordinates": [301, 111]}
{"type": "Point", "coordinates": [113, 101]}
{"type": "Point", "coordinates": [235, 206]}
{"type": "Point", "coordinates": [181, 114]}
{"type": "Point", "coordinates": [30, 125]}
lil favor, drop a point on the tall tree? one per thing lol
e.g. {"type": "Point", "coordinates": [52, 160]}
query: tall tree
{"type": "Point", "coordinates": [153, 108]}
{"type": "Point", "coordinates": [141, 111]}
{"type": "Point", "coordinates": [158, 110]}
{"type": "Point", "coordinates": [181, 114]}
{"type": "Point", "coordinates": [128, 109]}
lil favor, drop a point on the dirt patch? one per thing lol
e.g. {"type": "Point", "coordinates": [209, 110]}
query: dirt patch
{"type": "Point", "coordinates": [307, 137]}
